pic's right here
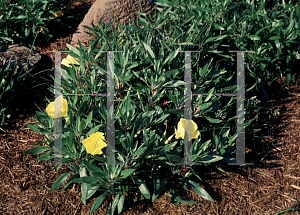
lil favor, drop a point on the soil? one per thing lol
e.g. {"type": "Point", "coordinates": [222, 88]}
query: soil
{"type": "Point", "coordinates": [271, 185]}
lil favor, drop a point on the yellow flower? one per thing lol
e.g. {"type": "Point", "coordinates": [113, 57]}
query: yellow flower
{"type": "Point", "coordinates": [94, 143]}
{"type": "Point", "coordinates": [122, 39]}
{"type": "Point", "coordinates": [51, 109]}
{"type": "Point", "coordinates": [58, 13]}
{"type": "Point", "coordinates": [191, 129]}
{"type": "Point", "coordinates": [42, 30]}
{"type": "Point", "coordinates": [70, 60]}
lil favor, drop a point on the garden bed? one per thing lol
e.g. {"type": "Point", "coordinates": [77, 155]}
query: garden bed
{"type": "Point", "coordinates": [269, 186]}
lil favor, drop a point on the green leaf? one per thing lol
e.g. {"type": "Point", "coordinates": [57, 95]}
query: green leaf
{"type": "Point", "coordinates": [93, 130]}
{"type": "Point", "coordinates": [288, 78]}
{"type": "Point", "coordinates": [249, 121]}
{"type": "Point", "coordinates": [114, 205]}
{"type": "Point", "coordinates": [149, 50]}
{"type": "Point", "coordinates": [34, 128]}
{"type": "Point", "coordinates": [156, 182]}
{"type": "Point", "coordinates": [223, 171]}
{"type": "Point", "coordinates": [98, 202]}
{"type": "Point", "coordinates": [209, 94]}
{"type": "Point", "coordinates": [162, 185]}
{"type": "Point", "coordinates": [162, 118]}
{"type": "Point", "coordinates": [76, 175]}
{"type": "Point", "coordinates": [100, 174]}
{"type": "Point", "coordinates": [91, 167]}
{"type": "Point", "coordinates": [111, 190]}
{"type": "Point", "coordinates": [165, 4]}
{"type": "Point", "coordinates": [148, 114]}
{"type": "Point", "coordinates": [86, 179]}
{"type": "Point", "coordinates": [73, 50]}
{"type": "Point", "coordinates": [121, 203]}
{"type": "Point", "coordinates": [46, 156]}
{"type": "Point", "coordinates": [37, 150]}
{"type": "Point", "coordinates": [213, 39]}
{"type": "Point", "coordinates": [176, 111]}
{"type": "Point", "coordinates": [143, 188]}
{"type": "Point", "coordinates": [218, 27]}
{"type": "Point", "coordinates": [169, 147]}
{"type": "Point", "coordinates": [274, 38]}
{"type": "Point", "coordinates": [277, 44]}
{"type": "Point", "coordinates": [209, 159]}
{"type": "Point", "coordinates": [21, 17]}
{"type": "Point", "coordinates": [172, 98]}
{"type": "Point", "coordinates": [88, 120]}
{"type": "Point", "coordinates": [60, 181]}
{"type": "Point", "coordinates": [91, 191]}
{"type": "Point", "coordinates": [126, 172]}
{"type": "Point", "coordinates": [176, 203]}
{"type": "Point", "coordinates": [140, 151]}
{"type": "Point", "coordinates": [212, 120]}
{"type": "Point", "coordinates": [201, 192]}
{"type": "Point", "coordinates": [254, 37]}
{"type": "Point", "coordinates": [174, 84]}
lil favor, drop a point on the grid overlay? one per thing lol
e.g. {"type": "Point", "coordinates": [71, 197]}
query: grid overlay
{"type": "Point", "coordinates": [240, 95]}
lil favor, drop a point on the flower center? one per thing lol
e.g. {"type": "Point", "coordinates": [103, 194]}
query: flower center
{"type": "Point", "coordinates": [96, 144]}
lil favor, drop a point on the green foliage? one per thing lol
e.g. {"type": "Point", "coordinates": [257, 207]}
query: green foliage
{"type": "Point", "coordinates": [12, 93]}
{"type": "Point", "coordinates": [149, 95]}
{"type": "Point", "coordinates": [23, 20]}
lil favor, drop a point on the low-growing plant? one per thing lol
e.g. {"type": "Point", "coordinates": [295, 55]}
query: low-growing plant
{"type": "Point", "coordinates": [12, 90]}
{"type": "Point", "coordinates": [22, 20]}
{"type": "Point", "coordinates": [149, 105]}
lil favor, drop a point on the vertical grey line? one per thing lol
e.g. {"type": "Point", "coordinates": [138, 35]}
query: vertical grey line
{"type": "Point", "coordinates": [110, 129]}
{"type": "Point", "coordinates": [240, 140]}
{"type": "Point", "coordinates": [188, 109]}
{"type": "Point", "coordinates": [57, 111]}
{"type": "Point", "coordinates": [240, 110]}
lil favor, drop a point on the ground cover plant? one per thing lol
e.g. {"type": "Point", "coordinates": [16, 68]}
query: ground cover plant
{"type": "Point", "coordinates": [149, 81]}
{"type": "Point", "coordinates": [21, 21]}
{"type": "Point", "coordinates": [14, 87]}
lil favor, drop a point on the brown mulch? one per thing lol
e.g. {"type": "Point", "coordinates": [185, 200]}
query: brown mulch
{"type": "Point", "coordinates": [270, 186]}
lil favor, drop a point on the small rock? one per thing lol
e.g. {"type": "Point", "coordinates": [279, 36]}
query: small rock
{"type": "Point", "coordinates": [123, 9]}
{"type": "Point", "coordinates": [19, 56]}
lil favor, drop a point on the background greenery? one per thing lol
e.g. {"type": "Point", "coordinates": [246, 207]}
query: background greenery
{"type": "Point", "coordinates": [149, 92]}
{"type": "Point", "coordinates": [21, 22]}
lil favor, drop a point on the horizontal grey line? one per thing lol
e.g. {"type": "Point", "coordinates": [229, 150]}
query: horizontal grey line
{"type": "Point", "coordinates": [58, 51]}
{"type": "Point", "coordinates": [103, 94]}
{"type": "Point", "coordinates": [215, 94]}
{"type": "Point", "coordinates": [115, 163]}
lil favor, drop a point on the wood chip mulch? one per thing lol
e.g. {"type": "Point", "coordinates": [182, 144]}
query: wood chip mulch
{"type": "Point", "coordinates": [271, 185]}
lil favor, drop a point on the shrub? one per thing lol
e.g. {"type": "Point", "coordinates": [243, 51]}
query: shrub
{"type": "Point", "coordinates": [24, 20]}
{"type": "Point", "coordinates": [149, 111]}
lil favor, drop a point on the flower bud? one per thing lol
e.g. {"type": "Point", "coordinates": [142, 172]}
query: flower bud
{"type": "Point", "coordinates": [42, 30]}
{"type": "Point", "coordinates": [58, 13]}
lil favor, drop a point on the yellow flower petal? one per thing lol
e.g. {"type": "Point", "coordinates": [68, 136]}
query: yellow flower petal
{"type": "Point", "coordinates": [94, 143]}
{"type": "Point", "coordinates": [70, 60]}
{"type": "Point", "coordinates": [122, 39]}
{"type": "Point", "coordinates": [51, 108]}
{"type": "Point", "coordinates": [191, 129]}
{"type": "Point", "coordinates": [65, 62]}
